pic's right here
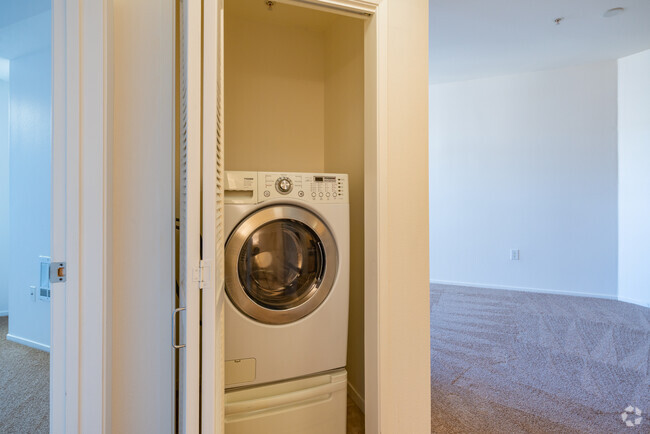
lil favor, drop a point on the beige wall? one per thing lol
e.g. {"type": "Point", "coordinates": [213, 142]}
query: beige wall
{"type": "Point", "coordinates": [274, 93]}
{"type": "Point", "coordinates": [142, 212]}
{"type": "Point", "coordinates": [344, 114]}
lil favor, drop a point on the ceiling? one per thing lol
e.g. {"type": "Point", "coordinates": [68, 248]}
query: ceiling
{"type": "Point", "coordinates": [12, 11]}
{"type": "Point", "coordinates": [25, 27]}
{"type": "Point", "coordinates": [482, 38]}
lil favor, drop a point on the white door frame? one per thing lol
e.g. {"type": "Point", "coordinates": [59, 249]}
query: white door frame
{"type": "Point", "coordinates": [81, 137]}
{"type": "Point", "coordinates": [396, 311]}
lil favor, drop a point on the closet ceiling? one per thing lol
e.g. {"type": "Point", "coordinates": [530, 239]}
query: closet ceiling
{"type": "Point", "coordinates": [282, 14]}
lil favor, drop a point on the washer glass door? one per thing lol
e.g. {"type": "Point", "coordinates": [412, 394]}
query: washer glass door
{"type": "Point", "coordinates": [280, 264]}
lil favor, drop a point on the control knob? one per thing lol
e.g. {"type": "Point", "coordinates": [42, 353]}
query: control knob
{"type": "Point", "coordinates": [283, 185]}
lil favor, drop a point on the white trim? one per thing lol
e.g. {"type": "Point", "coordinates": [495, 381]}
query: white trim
{"type": "Point", "coordinates": [94, 146]}
{"type": "Point", "coordinates": [190, 224]}
{"type": "Point", "coordinates": [542, 291]}
{"type": "Point", "coordinates": [58, 224]}
{"type": "Point", "coordinates": [356, 397]}
{"type": "Point", "coordinates": [396, 296]}
{"type": "Point", "coordinates": [525, 289]}
{"type": "Point", "coordinates": [107, 297]}
{"type": "Point", "coordinates": [643, 303]}
{"type": "Point", "coordinates": [4, 313]}
{"type": "Point", "coordinates": [351, 8]}
{"type": "Point", "coordinates": [81, 133]}
{"type": "Point", "coordinates": [70, 420]}
{"type": "Point", "coordinates": [28, 342]}
{"type": "Point", "coordinates": [375, 208]}
{"type": "Point", "coordinates": [369, 6]}
{"type": "Point", "coordinates": [64, 224]}
{"type": "Point", "coordinates": [211, 422]}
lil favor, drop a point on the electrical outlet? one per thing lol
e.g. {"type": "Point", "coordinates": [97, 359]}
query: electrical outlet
{"type": "Point", "coordinates": [514, 254]}
{"type": "Point", "coordinates": [32, 292]}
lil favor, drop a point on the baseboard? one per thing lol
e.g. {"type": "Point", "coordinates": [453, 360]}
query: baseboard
{"type": "Point", "coordinates": [357, 398]}
{"type": "Point", "coordinates": [28, 343]}
{"type": "Point", "coordinates": [524, 289]}
{"type": "Point", "coordinates": [644, 303]}
{"type": "Point", "coordinates": [4, 313]}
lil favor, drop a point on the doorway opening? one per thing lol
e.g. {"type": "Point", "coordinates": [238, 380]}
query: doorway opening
{"type": "Point", "coordinates": [25, 214]}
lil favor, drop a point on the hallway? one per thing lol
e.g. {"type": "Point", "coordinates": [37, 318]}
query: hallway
{"type": "Point", "coordinates": [24, 387]}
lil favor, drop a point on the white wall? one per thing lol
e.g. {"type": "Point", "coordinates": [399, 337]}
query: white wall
{"type": "Point", "coordinates": [4, 195]}
{"type": "Point", "coordinates": [526, 162]}
{"type": "Point", "coordinates": [30, 185]}
{"type": "Point", "coordinates": [634, 178]}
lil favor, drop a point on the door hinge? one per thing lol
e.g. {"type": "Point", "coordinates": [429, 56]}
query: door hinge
{"type": "Point", "coordinates": [57, 272]}
{"type": "Point", "coordinates": [201, 274]}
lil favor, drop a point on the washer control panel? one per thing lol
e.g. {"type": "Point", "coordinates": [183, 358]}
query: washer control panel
{"type": "Point", "coordinates": [310, 187]}
{"type": "Point", "coordinates": [284, 185]}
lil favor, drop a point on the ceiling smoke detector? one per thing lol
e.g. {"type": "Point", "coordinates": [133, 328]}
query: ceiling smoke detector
{"type": "Point", "coordinates": [613, 12]}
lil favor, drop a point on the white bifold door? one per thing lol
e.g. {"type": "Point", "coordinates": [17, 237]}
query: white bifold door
{"type": "Point", "coordinates": [198, 318]}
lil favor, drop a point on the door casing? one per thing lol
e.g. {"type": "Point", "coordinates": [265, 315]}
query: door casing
{"type": "Point", "coordinates": [81, 138]}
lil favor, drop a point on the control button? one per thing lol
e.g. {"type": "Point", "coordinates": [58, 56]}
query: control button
{"type": "Point", "coordinates": [333, 194]}
{"type": "Point", "coordinates": [320, 194]}
{"type": "Point", "coordinates": [301, 193]}
{"type": "Point", "coordinates": [267, 193]}
{"type": "Point", "coordinates": [327, 194]}
{"type": "Point", "coordinates": [313, 194]}
{"type": "Point", "coordinates": [283, 185]}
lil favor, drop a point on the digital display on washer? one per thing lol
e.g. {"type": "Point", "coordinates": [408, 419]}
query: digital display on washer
{"type": "Point", "coordinates": [318, 178]}
{"type": "Point", "coordinates": [324, 178]}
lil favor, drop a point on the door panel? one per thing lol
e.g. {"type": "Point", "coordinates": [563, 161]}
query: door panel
{"type": "Point", "coordinates": [190, 218]}
{"type": "Point", "coordinates": [212, 369]}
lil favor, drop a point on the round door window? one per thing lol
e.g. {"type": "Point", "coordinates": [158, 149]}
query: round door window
{"type": "Point", "coordinates": [280, 264]}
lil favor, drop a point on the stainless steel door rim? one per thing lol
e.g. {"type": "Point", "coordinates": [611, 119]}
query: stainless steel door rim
{"type": "Point", "coordinates": [308, 257]}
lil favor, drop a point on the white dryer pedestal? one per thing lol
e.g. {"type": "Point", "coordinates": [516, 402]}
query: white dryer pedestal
{"type": "Point", "coordinates": [311, 405]}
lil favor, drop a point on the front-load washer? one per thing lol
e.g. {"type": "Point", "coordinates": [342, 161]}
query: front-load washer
{"type": "Point", "coordinates": [286, 275]}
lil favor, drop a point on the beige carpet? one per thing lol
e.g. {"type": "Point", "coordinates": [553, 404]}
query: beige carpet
{"type": "Point", "coordinates": [24, 387]}
{"type": "Point", "coordinates": [517, 362]}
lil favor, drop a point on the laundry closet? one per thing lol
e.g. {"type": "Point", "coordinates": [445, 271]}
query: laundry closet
{"type": "Point", "coordinates": [294, 102]}
{"type": "Point", "coordinates": [290, 99]}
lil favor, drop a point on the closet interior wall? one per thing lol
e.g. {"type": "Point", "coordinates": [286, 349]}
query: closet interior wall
{"type": "Point", "coordinates": [294, 102]}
